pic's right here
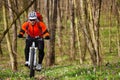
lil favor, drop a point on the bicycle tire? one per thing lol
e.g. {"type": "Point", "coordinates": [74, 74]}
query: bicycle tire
{"type": "Point", "coordinates": [32, 70]}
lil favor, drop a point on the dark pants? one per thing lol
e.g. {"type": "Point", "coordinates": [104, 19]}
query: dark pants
{"type": "Point", "coordinates": [39, 44]}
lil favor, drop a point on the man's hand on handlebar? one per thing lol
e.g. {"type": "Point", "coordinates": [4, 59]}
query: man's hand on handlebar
{"type": "Point", "coordinates": [20, 36]}
{"type": "Point", "coordinates": [47, 37]}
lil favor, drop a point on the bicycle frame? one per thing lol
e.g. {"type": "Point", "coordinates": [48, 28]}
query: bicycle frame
{"type": "Point", "coordinates": [32, 59]}
{"type": "Point", "coordinates": [35, 59]}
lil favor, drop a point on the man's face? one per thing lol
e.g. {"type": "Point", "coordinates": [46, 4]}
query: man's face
{"type": "Point", "coordinates": [32, 21]}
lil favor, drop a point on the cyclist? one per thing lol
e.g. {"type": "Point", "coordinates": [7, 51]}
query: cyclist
{"type": "Point", "coordinates": [34, 29]}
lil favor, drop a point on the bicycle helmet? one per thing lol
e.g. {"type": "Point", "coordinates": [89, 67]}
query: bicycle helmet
{"type": "Point", "coordinates": [32, 15]}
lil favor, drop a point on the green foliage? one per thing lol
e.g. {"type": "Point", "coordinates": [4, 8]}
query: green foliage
{"type": "Point", "coordinates": [8, 74]}
{"type": "Point", "coordinates": [75, 72]}
{"type": "Point", "coordinates": [69, 72]}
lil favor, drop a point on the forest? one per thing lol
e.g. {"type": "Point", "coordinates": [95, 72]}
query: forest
{"type": "Point", "coordinates": [84, 39]}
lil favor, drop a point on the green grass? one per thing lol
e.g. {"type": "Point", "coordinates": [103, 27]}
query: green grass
{"type": "Point", "coordinates": [68, 72]}
{"type": "Point", "coordinates": [8, 74]}
{"type": "Point", "coordinates": [109, 72]}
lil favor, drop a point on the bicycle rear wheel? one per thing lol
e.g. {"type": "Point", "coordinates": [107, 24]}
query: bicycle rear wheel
{"type": "Point", "coordinates": [32, 70]}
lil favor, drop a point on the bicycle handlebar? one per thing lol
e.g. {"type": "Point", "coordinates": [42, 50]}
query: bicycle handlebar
{"type": "Point", "coordinates": [33, 38]}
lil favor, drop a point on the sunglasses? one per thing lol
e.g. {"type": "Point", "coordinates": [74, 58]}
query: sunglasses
{"type": "Point", "coordinates": [32, 19]}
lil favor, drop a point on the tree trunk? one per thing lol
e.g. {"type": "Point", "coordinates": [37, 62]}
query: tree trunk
{"type": "Point", "coordinates": [110, 28]}
{"type": "Point", "coordinates": [14, 43]}
{"type": "Point", "coordinates": [16, 18]}
{"type": "Point", "coordinates": [60, 27]}
{"type": "Point", "coordinates": [12, 59]}
{"type": "Point", "coordinates": [118, 25]}
{"type": "Point", "coordinates": [72, 26]}
{"type": "Point", "coordinates": [94, 29]}
{"type": "Point", "coordinates": [81, 19]}
{"type": "Point", "coordinates": [90, 26]}
{"type": "Point", "coordinates": [35, 5]}
{"type": "Point", "coordinates": [52, 28]}
{"type": "Point", "coordinates": [1, 53]}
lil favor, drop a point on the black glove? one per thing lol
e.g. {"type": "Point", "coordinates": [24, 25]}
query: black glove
{"type": "Point", "coordinates": [47, 37]}
{"type": "Point", "coordinates": [20, 36]}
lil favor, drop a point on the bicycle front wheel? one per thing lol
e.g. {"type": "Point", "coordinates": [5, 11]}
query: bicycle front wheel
{"type": "Point", "coordinates": [32, 70]}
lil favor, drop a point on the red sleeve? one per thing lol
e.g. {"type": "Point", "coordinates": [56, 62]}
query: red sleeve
{"type": "Point", "coordinates": [44, 29]}
{"type": "Point", "coordinates": [23, 28]}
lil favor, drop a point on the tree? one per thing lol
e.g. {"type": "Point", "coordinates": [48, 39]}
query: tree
{"type": "Point", "coordinates": [117, 7]}
{"type": "Point", "coordinates": [12, 48]}
{"type": "Point", "coordinates": [15, 19]}
{"type": "Point", "coordinates": [72, 26]}
{"type": "Point", "coordinates": [94, 28]}
{"type": "Point", "coordinates": [90, 16]}
{"type": "Point", "coordinates": [81, 39]}
{"type": "Point", "coordinates": [60, 26]}
{"type": "Point", "coordinates": [52, 28]}
{"type": "Point", "coordinates": [12, 55]}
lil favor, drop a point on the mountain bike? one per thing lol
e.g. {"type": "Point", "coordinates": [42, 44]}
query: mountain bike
{"type": "Point", "coordinates": [33, 61]}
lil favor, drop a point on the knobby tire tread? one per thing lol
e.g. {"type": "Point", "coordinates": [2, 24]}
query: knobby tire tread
{"type": "Point", "coordinates": [32, 70]}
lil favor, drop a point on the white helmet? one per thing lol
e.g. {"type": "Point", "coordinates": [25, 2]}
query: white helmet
{"type": "Point", "coordinates": [32, 15]}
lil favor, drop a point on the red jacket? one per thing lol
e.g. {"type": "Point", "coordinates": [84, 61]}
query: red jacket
{"type": "Point", "coordinates": [38, 29]}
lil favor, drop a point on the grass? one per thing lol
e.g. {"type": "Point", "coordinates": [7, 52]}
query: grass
{"type": "Point", "coordinates": [8, 74]}
{"type": "Point", "coordinates": [68, 72]}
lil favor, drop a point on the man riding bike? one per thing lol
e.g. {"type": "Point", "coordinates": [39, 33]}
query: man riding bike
{"type": "Point", "coordinates": [34, 29]}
